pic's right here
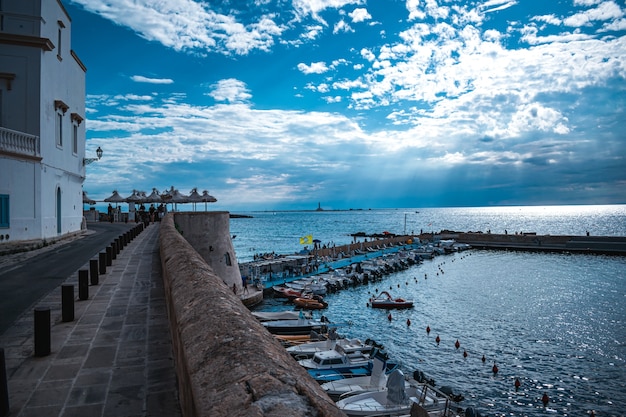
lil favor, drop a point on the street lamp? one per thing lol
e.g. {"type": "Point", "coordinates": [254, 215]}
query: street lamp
{"type": "Point", "coordinates": [87, 161]}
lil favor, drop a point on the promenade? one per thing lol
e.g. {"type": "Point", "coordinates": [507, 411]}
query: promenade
{"type": "Point", "coordinates": [114, 359]}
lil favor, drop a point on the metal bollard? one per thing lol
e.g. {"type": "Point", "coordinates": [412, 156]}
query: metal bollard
{"type": "Point", "coordinates": [120, 242]}
{"type": "Point", "coordinates": [113, 250]}
{"type": "Point", "coordinates": [4, 387]}
{"type": "Point", "coordinates": [109, 251]}
{"type": "Point", "coordinates": [42, 331]}
{"type": "Point", "coordinates": [83, 284]}
{"type": "Point", "coordinates": [67, 302]}
{"type": "Point", "coordinates": [93, 272]}
{"type": "Point", "coordinates": [102, 262]}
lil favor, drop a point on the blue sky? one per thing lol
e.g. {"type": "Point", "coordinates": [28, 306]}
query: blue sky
{"type": "Point", "coordinates": [275, 105]}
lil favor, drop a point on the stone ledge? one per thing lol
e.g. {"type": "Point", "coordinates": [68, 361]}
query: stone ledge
{"type": "Point", "coordinates": [227, 363]}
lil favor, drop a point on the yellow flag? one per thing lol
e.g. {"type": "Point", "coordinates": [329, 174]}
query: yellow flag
{"type": "Point", "coordinates": [306, 240]}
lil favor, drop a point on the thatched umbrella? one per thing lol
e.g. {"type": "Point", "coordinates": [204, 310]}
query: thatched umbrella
{"type": "Point", "coordinates": [207, 198]}
{"type": "Point", "coordinates": [115, 198]}
{"type": "Point", "coordinates": [194, 198]}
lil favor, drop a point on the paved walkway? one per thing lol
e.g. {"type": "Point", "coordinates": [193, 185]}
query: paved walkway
{"type": "Point", "coordinates": [114, 359]}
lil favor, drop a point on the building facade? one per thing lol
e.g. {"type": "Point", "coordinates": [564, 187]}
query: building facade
{"type": "Point", "coordinates": [42, 128]}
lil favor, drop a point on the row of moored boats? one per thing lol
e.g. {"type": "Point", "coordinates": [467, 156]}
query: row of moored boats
{"type": "Point", "coordinates": [357, 374]}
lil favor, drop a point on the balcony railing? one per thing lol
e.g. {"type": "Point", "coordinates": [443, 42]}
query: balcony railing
{"type": "Point", "coordinates": [20, 143]}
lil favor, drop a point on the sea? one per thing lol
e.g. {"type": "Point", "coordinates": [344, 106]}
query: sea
{"type": "Point", "coordinates": [554, 321]}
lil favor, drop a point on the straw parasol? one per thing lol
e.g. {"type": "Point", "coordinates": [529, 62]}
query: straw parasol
{"type": "Point", "coordinates": [115, 198]}
{"type": "Point", "coordinates": [207, 198]}
{"type": "Point", "coordinates": [194, 198]}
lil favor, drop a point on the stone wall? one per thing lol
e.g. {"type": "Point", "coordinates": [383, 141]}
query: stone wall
{"type": "Point", "coordinates": [227, 363]}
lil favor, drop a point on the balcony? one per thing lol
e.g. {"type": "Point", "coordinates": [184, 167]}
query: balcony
{"type": "Point", "coordinates": [18, 144]}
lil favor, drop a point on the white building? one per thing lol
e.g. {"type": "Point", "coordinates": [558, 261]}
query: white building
{"type": "Point", "coordinates": [42, 129]}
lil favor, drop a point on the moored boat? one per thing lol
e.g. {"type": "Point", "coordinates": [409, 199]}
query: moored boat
{"type": "Point", "coordinates": [397, 399]}
{"type": "Point", "coordinates": [385, 300]}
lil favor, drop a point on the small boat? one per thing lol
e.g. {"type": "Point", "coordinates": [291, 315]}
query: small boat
{"type": "Point", "coordinates": [336, 358]}
{"type": "Point", "coordinates": [302, 326]}
{"type": "Point", "coordinates": [308, 350]}
{"type": "Point", "coordinates": [396, 399]}
{"type": "Point", "coordinates": [279, 315]}
{"type": "Point", "coordinates": [310, 302]}
{"type": "Point", "coordinates": [338, 373]}
{"type": "Point", "coordinates": [351, 386]}
{"type": "Point", "coordinates": [385, 300]}
{"type": "Point", "coordinates": [286, 292]}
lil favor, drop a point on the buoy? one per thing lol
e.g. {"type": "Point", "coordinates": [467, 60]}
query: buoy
{"type": "Point", "coordinates": [457, 344]}
{"type": "Point", "coordinates": [427, 329]}
{"type": "Point", "coordinates": [398, 285]}
{"type": "Point", "coordinates": [494, 368]}
{"type": "Point", "coordinates": [389, 317]}
{"type": "Point", "coordinates": [545, 399]}
{"type": "Point", "coordinates": [464, 353]}
{"type": "Point", "coordinates": [437, 339]}
{"type": "Point", "coordinates": [517, 384]}
{"type": "Point", "coordinates": [484, 359]}
{"type": "Point", "coordinates": [408, 322]}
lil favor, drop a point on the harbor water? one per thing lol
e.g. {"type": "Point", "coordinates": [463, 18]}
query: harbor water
{"type": "Point", "coordinates": [556, 322]}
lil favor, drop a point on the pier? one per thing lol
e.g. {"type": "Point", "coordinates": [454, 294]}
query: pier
{"type": "Point", "coordinates": [605, 245]}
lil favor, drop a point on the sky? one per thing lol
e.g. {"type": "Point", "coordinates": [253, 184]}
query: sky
{"type": "Point", "coordinates": [354, 104]}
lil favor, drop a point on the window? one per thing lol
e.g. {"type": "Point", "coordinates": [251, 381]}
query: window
{"type": "Point", "coordinates": [74, 139]}
{"type": "Point", "coordinates": [60, 39]}
{"type": "Point", "coordinates": [4, 210]}
{"type": "Point", "coordinates": [59, 129]}
{"type": "Point", "coordinates": [60, 108]}
{"type": "Point", "coordinates": [76, 121]}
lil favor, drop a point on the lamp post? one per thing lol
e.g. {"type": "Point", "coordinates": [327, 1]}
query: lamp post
{"type": "Point", "coordinates": [87, 161]}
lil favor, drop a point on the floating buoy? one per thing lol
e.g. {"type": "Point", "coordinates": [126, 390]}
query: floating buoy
{"type": "Point", "coordinates": [517, 384]}
{"type": "Point", "coordinates": [389, 317]}
{"type": "Point", "coordinates": [437, 339]}
{"type": "Point", "coordinates": [545, 399]}
{"type": "Point", "coordinates": [457, 344]}
{"type": "Point", "coordinates": [464, 353]}
{"type": "Point", "coordinates": [398, 285]}
{"type": "Point", "coordinates": [408, 322]}
{"type": "Point", "coordinates": [494, 368]}
{"type": "Point", "coordinates": [484, 359]}
{"type": "Point", "coordinates": [427, 329]}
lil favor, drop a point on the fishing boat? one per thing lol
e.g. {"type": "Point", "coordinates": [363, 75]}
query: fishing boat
{"type": "Point", "coordinates": [385, 300]}
{"type": "Point", "coordinates": [279, 315]}
{"type": "Point", "coordinates": [397, 399]}
{"type": "Point", "coordinates": [286, 292]}
{"type": "Point", "coordinates": [357, 385]}
{"type": "Point", "coordinates": [308, 350]}
{"type": "Point", "coordinates": [310, 301]}
{"type": "Point", "coordinates": [338, 373]}
{"type": "Point", "coordinates": [301, 326]}
{"type": "Point", "coordinates": [336, 358]}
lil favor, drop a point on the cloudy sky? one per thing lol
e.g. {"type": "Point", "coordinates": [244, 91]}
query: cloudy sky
{"type": "Point", "coordinates": [357, 104]}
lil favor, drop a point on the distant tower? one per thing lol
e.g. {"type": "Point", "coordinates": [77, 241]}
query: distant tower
{"type": "Point", "coordinates": [319, 207]}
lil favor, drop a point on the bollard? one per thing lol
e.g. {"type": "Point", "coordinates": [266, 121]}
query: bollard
{"type": "Point", "coordinates": [109, 251]}
{"type": "Point", "coordinates": [67, 302]}
{"type": "Point", "coordinates": [4, 387]}
{"type": "Point", "coordinates": [93, 272]}
{"type": "Point", "coordinates": [102, 262]}
{"type": "Point", "coordinates": [42, 331]}
{"type": "Point", "coordinates": [83, 284]}
{"type": "Point", "coordinates": [120, 242]}
{"type": "Point", "coordinates": [113, 250]}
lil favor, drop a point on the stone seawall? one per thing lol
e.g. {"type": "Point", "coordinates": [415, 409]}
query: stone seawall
{"type": "Point", "coordinates": [226, 361]}
{"type": "Point", "coordinates": [611, 245]}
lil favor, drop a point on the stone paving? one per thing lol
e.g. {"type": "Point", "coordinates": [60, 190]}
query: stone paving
{"type": "Point", "coordinates": [114, 359]}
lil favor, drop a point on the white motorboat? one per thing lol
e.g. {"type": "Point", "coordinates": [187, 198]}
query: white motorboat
{"type": "Point", "coordinates": [351, 386]}
{"type": "Point", "coordinates": [337, 358]}
{"type": "Point", "coordinates": [396, 400]}
{"type": "Point", "coordinates": [308, 350]}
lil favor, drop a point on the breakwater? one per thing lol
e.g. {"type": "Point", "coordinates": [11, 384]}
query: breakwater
{"type": "Point", "coordinates": [609, 245]}
{"type": "Point", "coordinates": [227, 363]}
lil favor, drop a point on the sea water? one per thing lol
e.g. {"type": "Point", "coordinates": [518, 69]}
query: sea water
{"type": "Point", "coordinates": [556, 322]}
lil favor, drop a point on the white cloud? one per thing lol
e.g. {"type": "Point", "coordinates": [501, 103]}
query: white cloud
{"type": "Point", "coordinates": [607, 10]}
{"type": "Point", "coordinates": [230, 90]}
{"type": "Point", "coordinates": [359, 15]}
{"type": "Point", "coordinates": [342, 26]}
{"type": "Point", "coordinates": [314, 68]}
{"type": "Point", "coordinates": [187, 25]}
{"type": "Point", "coordinates": [312, 8]}
{"type": "Point", "coordinates": [142, 79]}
